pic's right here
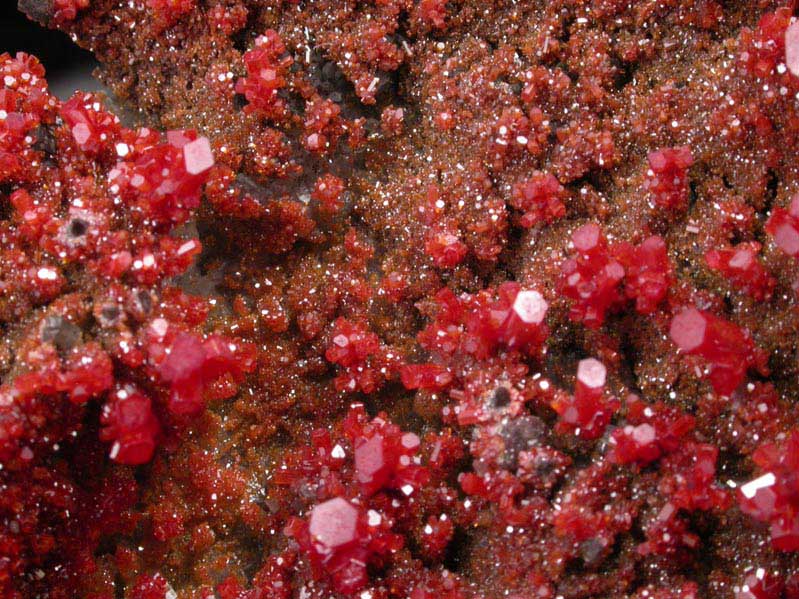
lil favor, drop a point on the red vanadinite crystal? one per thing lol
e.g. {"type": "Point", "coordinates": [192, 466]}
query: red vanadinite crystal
{"type": "Point", "coordinates": [130, 424]}
{"type": "Point", "coordinates": [67, 10]}
{"type": "Point", "coordinates": [446, 249]}
{"type": "Point", "coordinates": [360, 353]}
{"type": "Point", "coordinates": [267, 68]}
{"type": "Point", "coordinates": [169, 12]}
{"type": "Point", "coordinates": [764, 49]}
{"type": "Point", "coordinates": [150, 586]}
{"type": "Point", "coordinates": [588, 411]}
{"type": "Point", "coordinates": [741, 266]}
{"type": "Point", "coordinates": [341, 537]}
{"type": "Point", "coordinates": [540, 198]}
{"type": "Point", "coordinates": [667, 177]}
{"type": "Point", "coordinates": [647, 272]}
{"type": "Point", "coordinates": [591, 278]}
{"type": "Point", "coordinates": [650, 432]}
{"type": "Point", "coordinates": [728, 350]}
{"type": "Point", "coordinates": [433, 12]}
{"type": "Point", "coordinates": [773, 497]}
{"type": "Point", "coordinates": [327, 192]}
{"type": "Point", "coordinates": [480, 324]}
{"type": "Point", "coordinates": [431, 377]}
{"type": "Point", "coordinates": [760, 583]}
{"type": "Point", "coordinates": [191, 364]}
{"type": "Point", "coordinates": [783, 226]}
{"type": "Point", "coordinates": [228, 19]}
{"type": "Point", "coordinates": [165, 180]}
{"type": "Point", "coordinates": [92, 128]}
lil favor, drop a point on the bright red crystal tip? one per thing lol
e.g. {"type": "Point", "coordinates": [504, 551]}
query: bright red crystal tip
{"type": "Point", "coordinates": [334, 523]}
{"type": "Point", "coordinates": [530, 306]}
{"type": "Point", "coordinates": [198, 156]}
{"type": "Point", "coordinates": [688, 329]}
{"type": "Point", "coordinates": [591, 373]}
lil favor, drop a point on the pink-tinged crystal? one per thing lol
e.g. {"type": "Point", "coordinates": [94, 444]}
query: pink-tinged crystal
{"type": "Point", "coordinates": [728, 350]}
{"type": "Point", "coordinates": [667, 177]}
{"type": "Point", "coordinates": [198, 156]}
{"type": "Point", "coordinates": [267, 68]}
{"type": "Point", "coordinates": [93, 129]}
{"type": "Point", "coordinates": [760, 583]}
{"type": "Point", "coordinates": [327, 191]}
{"type": "Point", "coordinates": [431, 377]}
{"type": "Point", "coordinates": [540, 198]}
{"type": "Point", "coordinates": [792, 47]}
{"type": "Point", "coordinates": [773, 497]}
{"type": "Point", "coordinates": [741, 266]}
{"type": "Point", "coordinates": [157, 182]}
{"type": "Point", "coordinates": [591, 374]}
{"type": "Point", "coordinates": [434, 12]}
{"type": "Point", "coordinates": [129, 423]}
{"type": "Point", "coordinates": [191, 364]}
{"type": "Point", "coordinates": [591, 278]}
{"type": "Point", "coordinates": [647, 272]}
{"type": "Point", "coordinates": [334, 524]}
{"type": "Point", "coordinates": [360, 354]}
{"type": "Point", "coordinates": [587, 412]}
{"type": "Point", "coordinates": [150, 586]}
{"type": "Point", "coordinates": [689, 478]}
{"type": "Point", "coordinates": [446, 248]}
{"type": "Point", "coordinates": [783, 226]}
{"type": "Point", "coordinates": [372, 467]}
{"type": "Point", "coordinates": [480, 324]}
{"type": "Point", "coordinates": [765, 48]}
{"type": "Point", "coordinates": [650, 432]}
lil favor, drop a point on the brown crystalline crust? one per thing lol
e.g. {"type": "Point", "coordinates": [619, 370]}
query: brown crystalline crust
{"type": "Point", "coordinates": [370, 154]}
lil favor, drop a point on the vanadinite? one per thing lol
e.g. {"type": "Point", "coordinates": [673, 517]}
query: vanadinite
{"type": "Point", "coordinates": [403, 299]}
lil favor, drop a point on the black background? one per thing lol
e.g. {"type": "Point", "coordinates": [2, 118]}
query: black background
{"type": "Point", "coordinates": [68, 67]}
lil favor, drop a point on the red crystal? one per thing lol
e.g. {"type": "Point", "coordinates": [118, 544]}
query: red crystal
{"type": "Point", "coordinates": [165, 181]}
{"type": "Point", "coordinates": [480, 324]}
{"type": "Point", "coordinates": [587, 412]}
{"type": "Point", "coordinates": [741, 266]}
{"type": "Point", "coordinates": [650, 432]}
{"type": "Point", "coordinates": [773, 496]}
{"type": "Point", "coordinates": [647, 272]}
{"type": "Point", "coordinates": [727, 349]}
{"type": "Point", "coordinates": [431, 377]}
{"type": "Point", "coordinates": [327, 192]}
{"type": "Point", "coordinates": [783, 226]}
{"type": "Point", "coordinates": [92, 128]}
{"type": "Point", "coordinates": [591, 279]}
{"type": "Point", "coordinates": [759, 583]}
{"type": "Point", "coordinates": [334, 524]}
{"type": "Point", "coordinates": [130, 424]}
{"type": "Point", "coordinates": [434, 12]}
{"type": "Point", "coordinates": [540, 198]}
{"type": "Point", "coordinates": [764, 49]}
{"type": "Point", "coordinates": [267, 68]}
{"type": "Point", "coordinates": [446, 249]}
{"type": "Point", "coordinates": [667, 177]}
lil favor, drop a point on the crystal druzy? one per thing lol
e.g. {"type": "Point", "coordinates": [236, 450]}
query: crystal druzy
{"type": "Point", "coordinates": [403, 299]}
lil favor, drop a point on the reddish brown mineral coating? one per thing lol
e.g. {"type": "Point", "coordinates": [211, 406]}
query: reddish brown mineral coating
{"type": "Point", "coordinates": [389, 299]}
